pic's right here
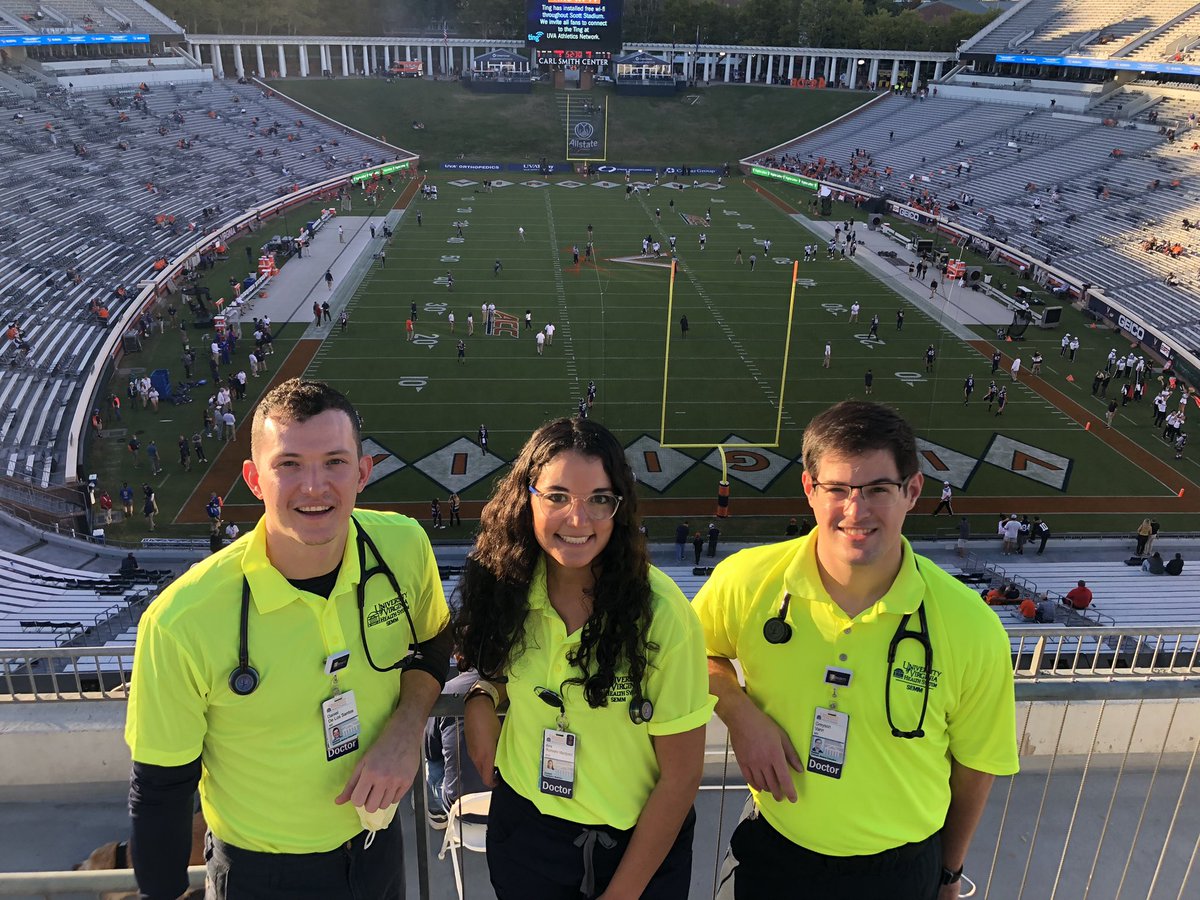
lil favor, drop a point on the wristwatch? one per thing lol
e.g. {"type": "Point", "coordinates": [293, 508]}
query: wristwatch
{"type": "Point", "coordinates": [949, 877]}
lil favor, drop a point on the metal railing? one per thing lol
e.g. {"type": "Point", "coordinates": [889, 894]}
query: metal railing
{"type": "Point", "coordinates": [1040, 653]}
{"type": "Point", "coordinates": [1106, 806]}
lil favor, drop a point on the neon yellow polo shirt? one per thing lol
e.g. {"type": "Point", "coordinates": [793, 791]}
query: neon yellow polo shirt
{"type": "Point", "coordinates": [892, 791]}
{"type": "Point", "coordinates": [266, 784]}
{"type": "Point", "coordinates": [615, 765]}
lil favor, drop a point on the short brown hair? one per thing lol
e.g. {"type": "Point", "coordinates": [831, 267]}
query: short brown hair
{"type": "Point", "coordinates": [858, 426]}
{"type": "Point", "coordinates": [297, 400]}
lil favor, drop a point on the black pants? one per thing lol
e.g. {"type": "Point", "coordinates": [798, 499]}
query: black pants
{"type": "Point", "coordinates": [349, 872]}
{"type": "Point", "coordinates": [762, 863]}
{"type": "Point", "coordinates": [531, 855]}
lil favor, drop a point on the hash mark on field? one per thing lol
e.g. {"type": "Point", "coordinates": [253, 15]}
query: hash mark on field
{"type": "Point", "coordinates": [564, 321]}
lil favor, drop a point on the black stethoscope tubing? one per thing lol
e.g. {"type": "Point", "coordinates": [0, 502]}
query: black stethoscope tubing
{"type": "Point", "coordinates": [777, 630]}
{"type": "Point", "coordinates": [244, 680]}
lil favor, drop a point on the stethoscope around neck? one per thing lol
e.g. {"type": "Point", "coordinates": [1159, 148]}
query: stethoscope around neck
{"type": "Point", "coordinates": [244, 680]}
{"type": "Point", "coordinates": [777, 630]}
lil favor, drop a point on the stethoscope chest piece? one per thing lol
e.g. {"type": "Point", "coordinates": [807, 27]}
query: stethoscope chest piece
{"type": "Point", "coordinates": [243, 680]}
{"type": "Point", "coordinates": [776, 629]}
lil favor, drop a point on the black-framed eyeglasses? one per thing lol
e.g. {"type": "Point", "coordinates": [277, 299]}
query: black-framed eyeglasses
{"type": "Point", "coordinates": [880, 493]}
{"type": "Point", "coordinates": [598, 506]}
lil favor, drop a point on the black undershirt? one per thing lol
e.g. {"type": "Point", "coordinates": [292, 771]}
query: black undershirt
{"type": "Point", "coordinates": [322, 585]}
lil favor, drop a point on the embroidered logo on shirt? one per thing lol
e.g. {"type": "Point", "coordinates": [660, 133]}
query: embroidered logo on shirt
{"type": "Point", "coordinates": [622, 690]}
{"type": "Point", "coordinates": [912, 675]}
{"type": "Point", "coordinates": [386, 613]}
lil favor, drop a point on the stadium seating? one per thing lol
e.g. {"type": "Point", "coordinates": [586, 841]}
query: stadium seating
{"type": "Point", "coordinates": [42, 604]}
{"type": "Point", "coordinates": [86, 16]}
{"type": "Point", "coordinates": [1078, 27]}
{"type": "Point", "coordinates": [97, 214]}
{"type": "Point", "coordinates": [1008, 148]}
{"type": "Point", "coordinates": [1131, 597]}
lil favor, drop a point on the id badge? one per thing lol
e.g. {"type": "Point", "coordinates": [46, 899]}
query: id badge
{"type": "Point", "coordinates": [827, 750]}
{"type": "Point", "coordinates": [340, 716]}
{"type": "Point", "coordinates": [558, 763]}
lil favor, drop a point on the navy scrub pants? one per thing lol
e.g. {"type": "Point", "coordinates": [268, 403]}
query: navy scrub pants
{"type": "Point", "coordinates": [348, 872]}
{"type": "Point", "coordinates": [532, 855]}
{"type": "Point", "coordinates": [763, 863]}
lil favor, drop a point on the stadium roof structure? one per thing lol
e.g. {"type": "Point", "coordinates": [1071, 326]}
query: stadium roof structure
{"type": "Point", "coordinates": [640, 58]}
{"type": "Point", "coordinates": [501, 55]}
{"type": "Point", "coordinates": [975, 7]}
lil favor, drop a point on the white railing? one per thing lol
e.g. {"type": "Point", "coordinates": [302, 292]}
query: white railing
{"type": "Point", "coordinates": [1041, 654]}
{"type": "Point", "coordinates": [1105, 806]}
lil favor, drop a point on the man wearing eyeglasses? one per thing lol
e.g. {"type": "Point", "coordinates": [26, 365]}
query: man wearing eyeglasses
{"type": "Point", "coordinates": [847, 636]}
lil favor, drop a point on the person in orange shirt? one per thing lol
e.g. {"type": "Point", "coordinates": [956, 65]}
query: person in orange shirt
{"type": "Point", "coordinates": [1028, 609]}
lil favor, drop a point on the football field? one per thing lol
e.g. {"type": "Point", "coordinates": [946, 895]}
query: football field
{"type": "Point", "coordinates": [422, 405]}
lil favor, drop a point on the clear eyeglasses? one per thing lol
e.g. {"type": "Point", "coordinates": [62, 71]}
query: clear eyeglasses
{"type": "Point", "coordinates": [598, 507]}
{"type": "Point", "coordinates": [880, 494]}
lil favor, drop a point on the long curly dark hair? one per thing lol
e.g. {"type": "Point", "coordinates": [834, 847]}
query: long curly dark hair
{"type": "Point", "coordinates": [489, 625]}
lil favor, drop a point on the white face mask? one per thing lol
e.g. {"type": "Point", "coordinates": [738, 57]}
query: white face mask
{"type": "Point", "coordinates": [375, 821]}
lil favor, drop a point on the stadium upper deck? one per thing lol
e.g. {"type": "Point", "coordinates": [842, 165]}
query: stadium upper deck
{"type": "Point", "coordinates": [83, 17]}
{"type": "Point", "coordinates": [1153, 30]}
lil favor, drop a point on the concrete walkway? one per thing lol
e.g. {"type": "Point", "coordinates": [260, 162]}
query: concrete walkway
{"type": "Point", "coordinates": [954, 307]}
{"type": "Point", "coordinates": [301, 280]}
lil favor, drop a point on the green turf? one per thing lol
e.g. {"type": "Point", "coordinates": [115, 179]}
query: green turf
{"type": "Point", "coordinates": [612, 321]}
{"type": "Point", "coordinates": [725, 123]}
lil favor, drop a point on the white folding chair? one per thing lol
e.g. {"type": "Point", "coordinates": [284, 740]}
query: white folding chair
{"type": "Point", "coordinates": [466, 829]}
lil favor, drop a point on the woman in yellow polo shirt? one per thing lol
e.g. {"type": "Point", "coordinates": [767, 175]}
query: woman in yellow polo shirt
{"type": "Point", "coordinates": [602, 663]}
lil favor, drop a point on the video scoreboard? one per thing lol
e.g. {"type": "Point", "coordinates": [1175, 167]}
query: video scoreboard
{"type": "Point", "coordinates": [574, 32]}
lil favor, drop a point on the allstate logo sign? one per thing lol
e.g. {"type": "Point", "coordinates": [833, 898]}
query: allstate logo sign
{"type": "Point", "coordinates": [583, 137]}
{"type": "Point", "coordinates": [1133, 328]}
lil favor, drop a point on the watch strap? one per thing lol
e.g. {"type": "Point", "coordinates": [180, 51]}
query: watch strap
{"type": "Point", "coordinates": [951, 876]}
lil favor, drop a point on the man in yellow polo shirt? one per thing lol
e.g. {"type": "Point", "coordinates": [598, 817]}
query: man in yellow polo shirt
{"type": "Point", "coordinates": [290, 676]}
{"type": "Point", "coordinates": [878, 702]}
